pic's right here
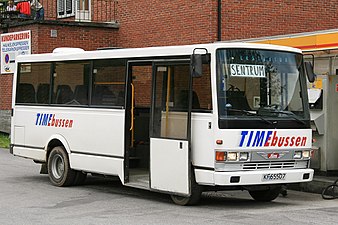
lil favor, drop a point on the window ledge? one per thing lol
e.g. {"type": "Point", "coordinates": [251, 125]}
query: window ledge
{"type": "Point", "coordinates": [16, 23]}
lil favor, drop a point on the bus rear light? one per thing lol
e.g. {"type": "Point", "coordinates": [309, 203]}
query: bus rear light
{"type": "Point", "coordinates": [219, 142]}
{"type": "Point", "coordinates": [220, 156]}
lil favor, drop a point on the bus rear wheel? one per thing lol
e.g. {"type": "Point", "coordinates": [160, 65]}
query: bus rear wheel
{"type": "Point", "coordinates": [60, 173]}
{"type": "Point", "coordinates": [267, 195]}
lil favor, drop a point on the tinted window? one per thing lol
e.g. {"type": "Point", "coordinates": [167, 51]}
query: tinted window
{"type": "Point", "coordinates": [108, 82]}
{"type": "Point", "coordinates": [71, 82]}
{"type": "Point", "coordinates": [33, 83]}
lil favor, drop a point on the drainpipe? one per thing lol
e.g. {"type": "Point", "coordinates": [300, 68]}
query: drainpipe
{"type": "Point", "coordinates": [219, 20]}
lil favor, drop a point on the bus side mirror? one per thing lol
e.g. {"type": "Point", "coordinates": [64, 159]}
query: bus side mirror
{"type": "Point", "coordinates": [196, 65]}
{"type": "Point", "coordinates": [311, 76]}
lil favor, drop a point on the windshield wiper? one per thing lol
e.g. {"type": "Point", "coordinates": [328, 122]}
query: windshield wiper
{"type": "Point", "coordinates": [245, 112]}
{"type": "Point", "coordinates": [273, 109]}
{"type": "Point", "coordinates": [292, 115]}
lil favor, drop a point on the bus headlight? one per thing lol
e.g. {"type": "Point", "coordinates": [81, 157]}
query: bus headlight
{"type": "Point", "coordinates": [244, 156]}
{"type": "Point", "coordinates": [298, 155]}
{"type": "Point", "coordinates": [306, 154]}
{"type": "Point", "coordinates": [232, 156]}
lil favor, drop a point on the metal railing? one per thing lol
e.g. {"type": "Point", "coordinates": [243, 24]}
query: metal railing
{"type": "Point", "coordinates": [95, 11]}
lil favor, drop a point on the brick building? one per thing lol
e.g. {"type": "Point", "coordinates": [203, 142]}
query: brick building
{"type": "Point", "coordinates": [92, 24]}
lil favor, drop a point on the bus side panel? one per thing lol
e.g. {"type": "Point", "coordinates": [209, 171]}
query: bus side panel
{"type": "Point", "coordinates": [90, 132]}
{"type": "Point", "coordinates": [201, 141]}
{"type": "Point", "coordinates": [98, 164]}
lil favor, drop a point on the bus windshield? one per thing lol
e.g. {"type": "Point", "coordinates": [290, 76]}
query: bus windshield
{"type": "Point", "coordinates": [261, 85]}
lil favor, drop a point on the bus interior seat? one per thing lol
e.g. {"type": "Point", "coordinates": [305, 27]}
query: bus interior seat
{"type": "Point", "coordinates": [26, 93]}
{"type": "Point", "coordinates": [42, 93]}
{"type": "Point", "coordinates": [64, 94]}
{"type": "Point", "coordinates": [81, 94]}
{"type": "Point", "coordinates": [103, 95]}
{"type": "Point", "coordinates": [238, 100]}
{"type": "Point", "coordinates": [182, 101]}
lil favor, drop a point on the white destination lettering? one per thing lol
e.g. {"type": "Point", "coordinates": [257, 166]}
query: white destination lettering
{"type": "Point", "coordinates": [243, 70]}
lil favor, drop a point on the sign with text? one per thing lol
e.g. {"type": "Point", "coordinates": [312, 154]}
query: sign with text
{"type": "Point", "coordinates": [12, 45]}
{"type": "Point", "coordinates": [246, 70]}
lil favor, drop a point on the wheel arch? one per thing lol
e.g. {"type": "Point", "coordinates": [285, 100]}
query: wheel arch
{"type": "Point", "coordinates": [56, 140]}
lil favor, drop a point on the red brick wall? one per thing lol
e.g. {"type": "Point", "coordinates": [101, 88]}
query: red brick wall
{"type": "Point", "coordinates": [6, 91]}
{"type": "Point", "coordinates": [175, 22]}
{"type": "Point", "coordinates": [259, 18]}
{"type": "Point", "coordinates": [152, 23]}
{"type": "Point", "coordinates": [79, 37]}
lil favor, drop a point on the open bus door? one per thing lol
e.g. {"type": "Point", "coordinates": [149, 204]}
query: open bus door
{"type": "Point", "coordinates": [170, 128]}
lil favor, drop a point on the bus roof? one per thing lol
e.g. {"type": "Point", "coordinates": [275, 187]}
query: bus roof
{"type": "Point", "coordinates": [143, 52]}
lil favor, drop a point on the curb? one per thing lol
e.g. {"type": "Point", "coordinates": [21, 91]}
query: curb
{"type": "Point", "coordinates": [317, 185]}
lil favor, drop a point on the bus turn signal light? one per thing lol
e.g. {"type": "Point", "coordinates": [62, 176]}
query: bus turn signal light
{"type": "Point", "coordinates": [219, 142]}
{"type": "Point", "coordinates": [220, 156]}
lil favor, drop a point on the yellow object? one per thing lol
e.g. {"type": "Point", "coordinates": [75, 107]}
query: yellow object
{"type": "Point", "coordinates": [306, 42]}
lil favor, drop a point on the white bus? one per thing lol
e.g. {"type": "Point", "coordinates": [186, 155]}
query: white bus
{"type": "Point", "coordinates": [179, 120]}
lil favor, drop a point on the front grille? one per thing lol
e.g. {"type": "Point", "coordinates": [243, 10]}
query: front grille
{"type": "Point", "coordinates": [270, 165]}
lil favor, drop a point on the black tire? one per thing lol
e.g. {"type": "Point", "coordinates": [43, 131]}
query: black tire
{"type": "Point", "coordinates": [267, 195]}
{"type": "Point", "coordinates": [59, 171]}
{"type": "Point", "coordinates": [80, 178]}
{"type": "Point", "coordinates": [193, 199]}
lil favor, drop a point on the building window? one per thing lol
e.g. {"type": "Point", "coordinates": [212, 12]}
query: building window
{"type": "Point", "coordinates": [82, 10]}
{"type": "Point", "coordinates": [65, 8]}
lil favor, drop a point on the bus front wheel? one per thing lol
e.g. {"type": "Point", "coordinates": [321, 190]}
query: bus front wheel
{"type": "Point", "coordinates": [266, 195]}
{"type": "Point", "coordinates": [193, 199]}
{"type": "Point", "coordinates": [60, 173]}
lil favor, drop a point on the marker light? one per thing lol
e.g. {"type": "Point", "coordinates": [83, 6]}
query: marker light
{"type": "Point", "coordinates": [298, 155]}
{"type": "Point", "coordinates": [219, 142]}
{"type": "Point", "coordinates": [232, 156]}
{"type": "Point", "coordinates": [243, 156]}
{"type": "Point", "coordinates": [306, 154]}
{"type": "Point", "coordinates": [220, 156]}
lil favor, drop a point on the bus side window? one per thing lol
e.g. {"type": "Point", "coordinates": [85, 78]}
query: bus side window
{"type": "Point", "coordinates": [31, 76]}
{"type": "Point", "coordinates": [202, 91]}
{"type": "Point", "coordinates": [108, 82]}
{"type": "Point", "coordinates": [64, 94]}
{"type": "Point", "coordinates": [26, 93]}
{"type": "Point", "coordinates": [42, 94]}
{"type": "Point", "coordinates": [182, 100]}
{"type": "Point", "coordinates": [71, 82]}
{"type": "Point", "coordinates": [81, 94]}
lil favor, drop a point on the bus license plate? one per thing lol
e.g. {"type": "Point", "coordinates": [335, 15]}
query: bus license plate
{"type": "Point", "coordinates": [273, 176]}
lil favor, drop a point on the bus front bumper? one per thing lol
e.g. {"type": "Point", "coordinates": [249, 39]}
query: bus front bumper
{"type": "Point", "coordinates": [257, 177]}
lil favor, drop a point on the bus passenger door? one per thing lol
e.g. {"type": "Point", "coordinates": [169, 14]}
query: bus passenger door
{"type": "Point", "coordinates": [170, 128]}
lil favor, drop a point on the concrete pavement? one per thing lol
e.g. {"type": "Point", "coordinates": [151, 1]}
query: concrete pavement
{"type": "Point", "coordinates": [317, 185]}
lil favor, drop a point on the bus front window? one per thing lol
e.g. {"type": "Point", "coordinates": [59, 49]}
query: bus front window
{"type": "Point", "coordinates": [261, 88]}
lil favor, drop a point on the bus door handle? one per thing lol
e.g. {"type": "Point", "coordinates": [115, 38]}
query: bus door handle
{"type": "Point", "coordinates": [132, 107]}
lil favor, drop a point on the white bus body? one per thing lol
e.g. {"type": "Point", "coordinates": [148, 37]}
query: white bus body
{"type": "Point", "coordinates": [130, 123]}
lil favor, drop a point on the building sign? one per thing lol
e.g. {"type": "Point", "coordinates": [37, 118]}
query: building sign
{"type": "Point", "coordinates": [12, 45]}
